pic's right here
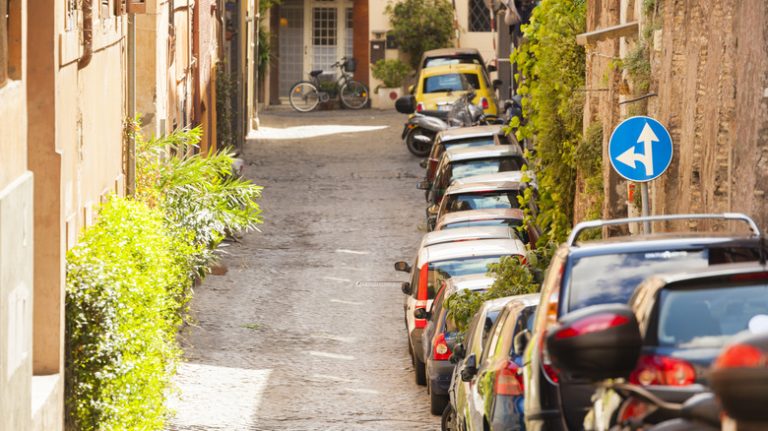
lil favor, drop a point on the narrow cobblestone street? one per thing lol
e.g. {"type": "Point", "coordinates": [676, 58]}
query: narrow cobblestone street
{"type": "Point", "coordinates": [305, 331]}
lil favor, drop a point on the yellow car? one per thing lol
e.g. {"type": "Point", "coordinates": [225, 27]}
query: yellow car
{"type": "Point", "coordinates": [440, 86]}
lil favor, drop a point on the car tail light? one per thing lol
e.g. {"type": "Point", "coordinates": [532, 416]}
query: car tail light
{"type": "Point", "coordinates": [551, 372]}
{"type": "Point", "coordinates": [596, 323]}
{"type": "Point", "coordinates": [741, 356]}
{"type": "Point", "coordinates": [440, 349]}
{"type": "Point", "coordinates": [419, 107]}
{"type": "Point", "coordinates": [509, 381]}
{"type": "Point", "coordinates": [484, 103]}
{"type": "Point", "coordinates": [663, 370]}
{"type": "Point", "coordinates": [633, 410]}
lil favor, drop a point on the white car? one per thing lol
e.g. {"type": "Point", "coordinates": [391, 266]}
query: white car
{"type": "Point", "coordinates": [436, 263]}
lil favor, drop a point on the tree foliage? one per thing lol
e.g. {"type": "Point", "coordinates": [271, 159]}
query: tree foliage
{"type": "Point", "coordinates": [421, 25]}
{"type": "Point", "coordinates": [551, 77]}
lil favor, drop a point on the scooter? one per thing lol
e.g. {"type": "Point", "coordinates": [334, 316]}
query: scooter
{"type": "Point", "coordinates": [423, 126]}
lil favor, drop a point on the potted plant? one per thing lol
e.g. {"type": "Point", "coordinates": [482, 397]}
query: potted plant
{"type": "Point", "coordinates": [391, 73]}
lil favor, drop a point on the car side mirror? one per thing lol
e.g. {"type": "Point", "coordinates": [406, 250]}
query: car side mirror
{"type": "Point", "coordinates": [423, 163]}
{"type": "Point", "coordinates": [432, 210]}
{"type": "Point", "coordinates": [422, 313]}
{"type": "Point", "coordinates": [497, 83]}
{"type": "Point", "coordinates": [406, 288]}
{"type": "Point", "coordinates": [521, 341]}
{"type": "Point", "coordinates": [411, 88]}
{"type": "Point", "coordinates": [402, 266]}
{"type": "Point", "coordinates": [458, 353]}
{"type": "Point", "coordinates": [470, 368]}
{"type": "Point", "coordinates": [424, 185]}
{"type": "Point", "coordinates": [597, 343]}
{"type": "Point", "coordinates": [406, 104]}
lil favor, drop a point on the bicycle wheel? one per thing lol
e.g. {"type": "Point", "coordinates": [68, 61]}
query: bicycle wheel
{"type": "Point", "coordinates": [354, 95]}
{"type": "Point", "coordinates": [304, 96]}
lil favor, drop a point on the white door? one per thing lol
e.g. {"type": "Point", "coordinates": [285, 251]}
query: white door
{"type": "Point", "coordinates": [331, 33]}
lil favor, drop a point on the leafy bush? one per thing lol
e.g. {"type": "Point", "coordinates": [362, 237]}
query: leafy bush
{"type": "Point", "coordinates": [421, 25]}
{"type": "Point", "coordinates": [197, 192]}
{"type": "Point", "coordinates": [552, 72]}
{"type": "Point", "coordinates": [391, 72]}
{"type": "Point", "coordinates": [130, 277]}
{"type": "Point", "coordinates": [512, 278]}
{"type": "Point", "coordinates": [127, 280]}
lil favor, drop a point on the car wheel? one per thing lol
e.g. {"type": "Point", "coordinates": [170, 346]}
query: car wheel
{"type": "Point", "coordinates": [421, 371]}
{"type": "Point", "coordinates": [437, 403]}
{"type": "Point", "coordinates": [448, 420]}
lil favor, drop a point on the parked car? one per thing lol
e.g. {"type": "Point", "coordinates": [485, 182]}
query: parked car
{"type": "Point", "coordinates": [582, 274]}
{"type": "Point", "coordinates": [494, 191]}
{"type": "Point", "coordinates": [492, 395]}
{"type": "Point", "coordinates": [464, 137]}
{"type": "Point", "coordinates": [440, 338]}
{"type": "Point", "coordinates": [458, 163]}
{"type": "Point", "coordinates": [512, 217]}
{"type": "Point", "coordinates": [466, 234]}
{"type": "Point", "coordinates": [433, 265]}
{"type": "Point", "coordinates": [473, 343]}
{"type": "Point", "coordinates": [440, 86]}
{"type": "Point", "coordinates": [684, 321]}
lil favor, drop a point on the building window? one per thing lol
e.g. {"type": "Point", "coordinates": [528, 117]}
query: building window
{"type": "Point", "coordinates": [350, 34]}
{"type": "Point", "coordinates": [479, 16]}
{"type": "Point", "coordinates": [324, 37]}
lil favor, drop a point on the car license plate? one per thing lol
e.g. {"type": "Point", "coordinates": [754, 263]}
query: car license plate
{"type": "Point", "coordinates": [444, 107]}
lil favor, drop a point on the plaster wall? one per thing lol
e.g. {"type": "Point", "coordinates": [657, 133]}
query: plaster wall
{"type": "Point", "coordinates": [152, 68]}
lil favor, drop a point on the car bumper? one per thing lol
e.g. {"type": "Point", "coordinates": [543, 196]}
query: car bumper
{"type": "Point", "coordinates": [416, 336]}
{"type": "Point", "coordinates": [440, 374]}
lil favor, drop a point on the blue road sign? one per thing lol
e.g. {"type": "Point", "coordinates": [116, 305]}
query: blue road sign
{"type": "Point", "coordinates": [640, 149]}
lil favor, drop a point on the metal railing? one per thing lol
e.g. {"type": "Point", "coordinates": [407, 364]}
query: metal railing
{"type": "Point", "coordinates": [593, 224]}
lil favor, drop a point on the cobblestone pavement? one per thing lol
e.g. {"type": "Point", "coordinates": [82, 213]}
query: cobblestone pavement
{"type": "Point", "coordinates": [305, 331]}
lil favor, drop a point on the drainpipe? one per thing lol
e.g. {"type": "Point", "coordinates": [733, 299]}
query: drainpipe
{"type": "Point", "coordinates": [85, 59]}
{"type": "Point", "coordinates": [131, 169]}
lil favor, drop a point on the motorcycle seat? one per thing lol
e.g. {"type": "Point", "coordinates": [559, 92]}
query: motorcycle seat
{"type": "Point", "coordinates": [315, 73]}
{"type": "Point", "coordinates": [443, 115]}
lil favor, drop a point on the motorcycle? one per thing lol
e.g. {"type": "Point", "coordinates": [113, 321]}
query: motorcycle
{"type": "Point", "coordinates": [423, 126]}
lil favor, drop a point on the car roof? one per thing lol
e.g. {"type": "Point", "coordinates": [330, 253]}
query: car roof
{"type": "Point", "coordinates": [482, 152]}
{"type": "Point", "coordinates": [470, 132]}
{"type": "Point", "coordinates": [509, 180]}
{"type": "Point", "coordinates": [444, 52]}
{"type": "Point", "coordinates": [526, 300]}
{"type": "Point", "coordinates": [479, 215]}
{"type": "Point", "coordinates": [462, 249]}
{"type": "Point", "coordinates": [451, 68]}
{"type": "Point", "coordinates": [467, 233]}
{"type": "Point", "coordinates": [659, 241]}
{"type": "Point", "coordinates": [468, 282]}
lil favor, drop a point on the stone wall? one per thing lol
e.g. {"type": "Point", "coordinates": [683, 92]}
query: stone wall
{"type": "Point", "coordinates": [710, 71]}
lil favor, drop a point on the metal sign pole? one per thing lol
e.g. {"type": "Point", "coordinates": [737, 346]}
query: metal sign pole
{"type": "Point", "coordinates": [646, 207]}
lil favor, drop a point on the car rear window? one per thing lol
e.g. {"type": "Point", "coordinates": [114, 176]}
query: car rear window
{"type": "Point", "coordinates": [511, 222]}
{"type": "Point", "coordinates": [451, 82]}
{"type": "Point", "coordinates": [486, 200]}
{"type": "Point", "coordinates": [612, 278]}
{"type": "Point", "coordinates": [467, 168]}
{"type": "Point", "coordinates": [469, 142]}
{"type": "Point", "coordinates": [709, 317]}
{"type": "Point", "coordinates": [441, 61]}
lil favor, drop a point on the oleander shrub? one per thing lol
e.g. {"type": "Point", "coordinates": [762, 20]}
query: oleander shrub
{"type": "Point", "coordinates": [391, 72]}
{"type": "Point", "coordinates": [127, 280]}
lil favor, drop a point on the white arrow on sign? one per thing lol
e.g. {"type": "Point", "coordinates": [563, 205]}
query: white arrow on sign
{"type": "Point", "coordinates": [630, 157]}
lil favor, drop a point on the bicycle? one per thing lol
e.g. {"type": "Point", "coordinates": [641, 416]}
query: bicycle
{"type": "Point", "coordinates": [306, 95]}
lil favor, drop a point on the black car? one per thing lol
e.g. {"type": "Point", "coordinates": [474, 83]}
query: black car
{"type": "Point", "coordinates": [607, 271]}
{"type": "Point", "coordinates": [492, 395]}
{"type": "Point", "coordinates": [440, 337]}
{"type": "Point", "coordinates": [684, 321]}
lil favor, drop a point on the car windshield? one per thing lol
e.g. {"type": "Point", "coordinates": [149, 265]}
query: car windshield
{"type": "Point", "coordinates": [709, 317]}
{"type": "Point", "coordinates": [469, 142]}
{"type": "Point", "coordinates": [485, 200]}
{"type": "Point", "coordinates": [451, 82]}
{"type": "Point", "coordinates": [467, 168]}
{"type": "Point", "coordinates": [612, 278]}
